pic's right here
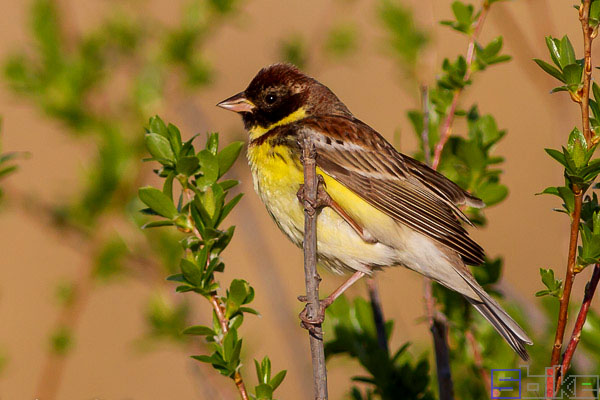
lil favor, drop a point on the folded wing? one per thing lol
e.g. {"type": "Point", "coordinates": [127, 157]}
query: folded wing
{"type": "Point", "coordinates": [403, 188]}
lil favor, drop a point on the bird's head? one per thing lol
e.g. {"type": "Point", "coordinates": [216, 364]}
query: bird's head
{"type": "Point", "coordinates": [281, 93]}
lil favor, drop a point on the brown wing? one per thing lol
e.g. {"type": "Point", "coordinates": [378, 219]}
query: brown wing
{"type": "Point", "coordinates": [403, 188]}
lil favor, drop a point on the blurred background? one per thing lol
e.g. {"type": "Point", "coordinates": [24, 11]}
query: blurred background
{"type": "Point", "coordinates": [75, 96]}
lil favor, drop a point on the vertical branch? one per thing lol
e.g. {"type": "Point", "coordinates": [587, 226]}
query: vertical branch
{"type": "Point", "coordinates": [377, 314]}
{"type": "Point", "coordinates": [439, 330]}
{"type": "Point", "coordinates": [590, 289]}
{"type": "Point", "coordinates": [584, 11]}
{"type": "Point", "coordinates": [569, 277]}
{"type": "Point", "coordinates": [52, 372]}
{"type": "Point", "coordinates": [311, 277]}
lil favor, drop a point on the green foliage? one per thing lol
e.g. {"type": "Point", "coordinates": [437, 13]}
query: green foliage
{"type": "Point", "coordinates": [266, 384]}
{"type": "Point", "coordinates": [554, 286]}
{"type": "Point", "coordinates": [470, 163]}
{"type": "Point", "coordinates": [581, 169]}
{"type": "Point", "coordinates": [293, 49]}
{"type": "Point", "coordinates": [198, 209]}
{"type": "Point", "coordinates": [342, 40]}
{"type": "Point", "coordinates": [354, 334]}
{"type": "Point", "coordinates": [465, 18]}
{"type": "Point", "coordinates": [70, 76]}
{"type": "Point", "coordinates": [589, 251]}
{"type": "Point", "coordinates": [404, 38]}
{"type": "Point", "coordinates": [566, 68]}
{"type": "Point", "coordinates": [166, 318]}
{"type": "Point", "coordinates": [7, 166]}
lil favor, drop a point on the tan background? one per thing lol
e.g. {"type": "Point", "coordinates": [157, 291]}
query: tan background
{"type": "Point", "coordinates": [105, 363]}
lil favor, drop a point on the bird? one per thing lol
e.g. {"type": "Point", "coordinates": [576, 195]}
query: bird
{"type": "Point", "coordinates": [383, 208]}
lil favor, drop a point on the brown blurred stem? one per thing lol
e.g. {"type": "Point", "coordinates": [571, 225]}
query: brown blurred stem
{"type": "Point", "coordinates": [311, 277]}
{"type": "Point", "coordinates": [590, 289]}
{"type": "Point", "coordinates": [447, 126]}
{"type": "Point", "coordinates": [439, 330]}
{"type": "Point", "coordinates": [584, 98]}
{"type": "Point", "coordinates": [54, 365]}
{"type": "Point", "coordinates": [479, 362]}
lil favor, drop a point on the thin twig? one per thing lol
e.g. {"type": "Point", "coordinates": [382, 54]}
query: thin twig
{"type": "Point", "coordinates": [590, 289]}
{"type": "Point", "coordinates": [447, 126]}
{"type": "Point", "coordinates": [479, 363]}
{"type": "Point", "coordinates": [377, 314]}
{"type": "Point", "coordinates": [311, 277]}
{"type": "Point", "coordinates": [584, 16]}
{"type": "Point", "coordinates": [576, 215]}
{"type": "Point", "coordinates": [425, 132]}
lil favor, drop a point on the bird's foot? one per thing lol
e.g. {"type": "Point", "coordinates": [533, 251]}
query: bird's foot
{"type": "Point", "coordinates": [323, 199]}
{"type": "Point", "coordinates": [311, 322]}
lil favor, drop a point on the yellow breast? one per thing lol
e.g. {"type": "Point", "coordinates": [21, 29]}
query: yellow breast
{"type": "Point", "coordinates": [277, 176]}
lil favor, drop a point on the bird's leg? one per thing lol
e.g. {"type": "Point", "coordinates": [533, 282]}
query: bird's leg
{"type": "Point", "coordinates": [324, 200]}
{"type": "Point", "coordinates": [308, 323]}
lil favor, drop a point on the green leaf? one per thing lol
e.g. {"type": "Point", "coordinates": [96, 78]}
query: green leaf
{"type": "Point", "coordinates": [577, 148]}
{"type": "Point", "coordinates": [572, 74]}
{"type": "Point", "coordinates": [550, 69]}
{"type": "Point", "coordinates": [160, 148]}
{"type": "Point", "coordinates": [191, 272]}
{"type": "Point", "coordinates": [264, 392]}
{"type": "Point", "coordinates": [156, 224]}
{"type": "Point", "coordinates": [239, 290]}
{"type": "Point", "coordinates": [463, 13]}
{"type": "Point", "coordinates": [6, 171]}
{"type": "Point", "coordinates": [277, 379]}
{"type": "Point", "coordinates": [567, 53]}
{"type": "Point", "coordinates": [554, 48]}
{"type": "Point", "coordinates": [557, 155]}
{"type": "Point", "coordinates": [228, 155]}
{"type": "Point", "coordinates": [199, 330]}
{"type": "Point", "coordinates": [158, 126]}
{"type": "Point", "coordinates": [228, 207]}
{"type": "Point", "coordinates": [158, 202]}
{"type": "Point", "coordinates": [188, 165]}
{"type": "Point", "coordinates": [174, 137]}
{"type": "Point", "coordinates": [492, 193]}
{"type": "Point", "coordinates": [212, 143]}
{"type": "Point", "coordinates": [209, 168]}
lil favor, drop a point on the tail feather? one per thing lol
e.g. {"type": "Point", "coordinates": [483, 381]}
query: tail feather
{"type": "Point", "coordinates": [514, 335]}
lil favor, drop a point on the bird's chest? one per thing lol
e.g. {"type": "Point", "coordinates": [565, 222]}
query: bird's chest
{"type": "Point", "coordinates": [277, 176]}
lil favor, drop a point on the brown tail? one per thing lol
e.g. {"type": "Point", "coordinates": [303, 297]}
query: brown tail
{"type": "Point", "coordinates": [514, 335]}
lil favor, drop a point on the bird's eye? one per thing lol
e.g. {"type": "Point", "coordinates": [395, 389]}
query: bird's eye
{"type": "Point", "coordinates": [271, 98]}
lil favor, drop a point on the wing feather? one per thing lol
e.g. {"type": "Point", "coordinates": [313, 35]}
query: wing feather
{"type": "Point", "coordinates": [403, 188]}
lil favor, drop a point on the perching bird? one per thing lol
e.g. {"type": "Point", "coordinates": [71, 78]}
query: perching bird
{"type": "Point", "coordinates": [386, 209]}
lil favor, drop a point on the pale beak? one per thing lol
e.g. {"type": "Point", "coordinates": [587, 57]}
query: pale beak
{"type": "Point", "coordinates": [238, 103]}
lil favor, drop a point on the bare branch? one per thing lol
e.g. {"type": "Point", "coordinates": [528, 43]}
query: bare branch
{"type": "Point", "coordinates": [590, 289]}
{"type": "Point", "coordinates": [311, 277]}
